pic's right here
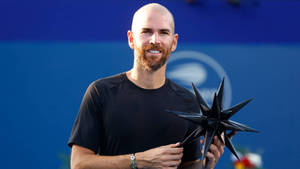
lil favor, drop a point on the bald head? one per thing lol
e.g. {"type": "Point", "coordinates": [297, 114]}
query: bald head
{"type": "Point", "coordinates": [152, 11]}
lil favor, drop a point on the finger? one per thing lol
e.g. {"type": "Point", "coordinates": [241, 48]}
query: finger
{"type": "Point", "coordinates": [173, 163]}
{"type": "Point", "coordinates": [211, 162]}
{"type": "Point", "coordinates": [218, 142]}
{"type": "Point", "coordinates": [172, 156]}
{"type": "Point", "coordinates": [175, 145]}
{"type": "Point", "coordinates": [231, 134]}
{"type": "Point", "coordinates": [219, 145]}
{"type": "Point", "coordinates": [215, 151]}
{"type": "Point", "coordinates": [175, 167]}
{"type": "Point", "coordinates": [223, 137]}
{"type": "Point", "coordinates": [174, 150]}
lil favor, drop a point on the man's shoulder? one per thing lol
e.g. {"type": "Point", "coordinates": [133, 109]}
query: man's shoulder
{"type": "Point", "coordinates": [180, 90]}
{"type": "Point", "coordinates": [185, 95]}
{"type": "Point", "coordinates": [108, 82]}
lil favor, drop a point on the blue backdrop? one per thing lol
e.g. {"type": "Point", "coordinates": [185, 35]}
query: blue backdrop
{"type": "Point", "coordinates": [51, 50]}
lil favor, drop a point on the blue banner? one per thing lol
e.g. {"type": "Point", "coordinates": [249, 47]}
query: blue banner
{"type": "Point", "coordinates": [44, 83]}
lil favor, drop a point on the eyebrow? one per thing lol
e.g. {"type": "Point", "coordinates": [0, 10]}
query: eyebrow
{"type": "Point", "coordinates": [160, 30]}
{"type": "Point", "coordinates": [165, 30]}
{"type": "Point", "coordinates": [146, 29]}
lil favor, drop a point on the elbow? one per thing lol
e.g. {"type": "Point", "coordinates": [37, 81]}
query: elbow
{"type": "Point", "coordinates": [80, 158]}
{"type": "Point", "coordinates": [77, 165]}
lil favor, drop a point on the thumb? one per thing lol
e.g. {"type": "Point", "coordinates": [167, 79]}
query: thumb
{"type": "Point", "coordinates": [175, 145]}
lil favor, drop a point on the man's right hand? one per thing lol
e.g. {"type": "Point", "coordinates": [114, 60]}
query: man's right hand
{"type": "Point", "coordinates": [164, 157]}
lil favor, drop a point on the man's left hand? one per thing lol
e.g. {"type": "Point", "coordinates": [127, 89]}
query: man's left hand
{"type": "Point", "coordinates": [216, 150]}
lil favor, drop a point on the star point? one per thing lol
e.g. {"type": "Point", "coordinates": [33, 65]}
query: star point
{"type": "Point", "coordinates": [214, 121]}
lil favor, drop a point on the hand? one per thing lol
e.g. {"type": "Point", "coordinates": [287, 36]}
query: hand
{"type": "Point", "coordinates": [216, 149]}
{"type": "Point", "coordinates": [164, 157]}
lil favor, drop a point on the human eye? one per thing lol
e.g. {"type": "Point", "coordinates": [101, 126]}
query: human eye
{"type": "Point", "coordinates": [146, 31]}
{"type": "Point", "coordinates": [165, 32]}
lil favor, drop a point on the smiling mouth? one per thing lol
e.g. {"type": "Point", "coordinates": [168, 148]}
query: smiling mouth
{"type": "Point", "coordinates": [154, 51]}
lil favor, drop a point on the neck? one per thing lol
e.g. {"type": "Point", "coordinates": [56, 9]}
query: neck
{"type": "Point", "coordinates": [147, 79]}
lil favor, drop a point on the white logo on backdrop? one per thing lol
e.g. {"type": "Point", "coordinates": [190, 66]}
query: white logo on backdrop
{"type": "Point", "coordinates": [195, 71]}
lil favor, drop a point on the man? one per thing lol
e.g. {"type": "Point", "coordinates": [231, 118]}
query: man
{"type": "Point", "coordinates": [122, 122]}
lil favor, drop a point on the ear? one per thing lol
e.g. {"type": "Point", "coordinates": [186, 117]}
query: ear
{"type": "Point", "coordinates": [130, 39]}
{"type": "Point", "coordinates": [174, 43]}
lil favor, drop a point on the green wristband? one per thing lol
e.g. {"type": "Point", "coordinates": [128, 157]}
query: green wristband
{"type": "Point", "coordinates": [133, 163]}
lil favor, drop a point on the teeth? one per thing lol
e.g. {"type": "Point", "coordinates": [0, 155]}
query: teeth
{"type": "Point", "coordinates": [154, 51]}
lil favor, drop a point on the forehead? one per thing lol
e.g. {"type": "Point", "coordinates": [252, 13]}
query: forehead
{"type": "Point", "coordinates": [153, 19]}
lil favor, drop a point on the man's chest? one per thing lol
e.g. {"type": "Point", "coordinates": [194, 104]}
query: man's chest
{"type": "Point", "coordinates": [143, 116]}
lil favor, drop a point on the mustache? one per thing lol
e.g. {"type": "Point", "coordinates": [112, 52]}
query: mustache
{"type": "Point", "coordinates": [153, 47]}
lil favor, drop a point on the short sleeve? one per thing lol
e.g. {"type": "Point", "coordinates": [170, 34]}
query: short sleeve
{"type": "Point", "coordinates": [192, 151]}
{"type": "Point", "coordinates": [86, 130]}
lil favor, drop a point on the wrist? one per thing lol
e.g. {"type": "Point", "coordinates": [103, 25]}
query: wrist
{"type": "Point", "coordinates": [139, 159]}
{"type": "Point", "coordinates": [133, 161]}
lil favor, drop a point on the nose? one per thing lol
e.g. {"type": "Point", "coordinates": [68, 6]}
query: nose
{"type": "Point", "coordinates": [155, 39]}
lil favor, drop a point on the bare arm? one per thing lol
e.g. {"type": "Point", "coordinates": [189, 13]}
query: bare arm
{"type": "Point", "coordinates": [83, 158]}
{"type": "Point", "coordinates": [167, 157]}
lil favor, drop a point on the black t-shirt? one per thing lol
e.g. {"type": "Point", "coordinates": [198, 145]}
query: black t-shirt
{"type": "Point", "coordinates": [117, 117]}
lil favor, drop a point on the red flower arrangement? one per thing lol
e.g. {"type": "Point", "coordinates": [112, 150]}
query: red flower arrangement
{"type": "Point", "coordinates": [248, 160]}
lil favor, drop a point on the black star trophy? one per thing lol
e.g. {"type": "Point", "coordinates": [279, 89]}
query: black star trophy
{"type": "Point", "coordinates": [213, 121]}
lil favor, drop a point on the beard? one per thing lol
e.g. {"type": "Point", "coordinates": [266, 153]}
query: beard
{"type": "Point", "coordinates": [152, 63]}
